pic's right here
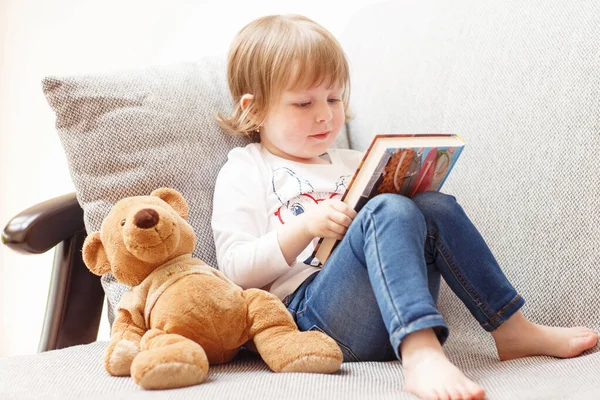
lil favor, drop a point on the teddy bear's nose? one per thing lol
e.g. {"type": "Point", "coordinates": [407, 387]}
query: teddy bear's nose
{"type": "Point", "coordinates": [146, 218]}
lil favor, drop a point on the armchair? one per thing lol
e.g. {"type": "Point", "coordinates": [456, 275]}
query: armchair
{"type": "Point", "coordinates": [517, 80]}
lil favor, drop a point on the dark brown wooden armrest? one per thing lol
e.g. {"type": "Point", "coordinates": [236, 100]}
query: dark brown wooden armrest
{"type": "Point", "coordinates": [75, 295]}
{"type": "Point", "coordinates": [44, 225]}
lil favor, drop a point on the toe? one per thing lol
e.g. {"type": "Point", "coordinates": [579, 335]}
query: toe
{"type": "Point", "coordinates": [454, 393]}
{"type": "Point", "coordinates": [587, 332]}
{"type": "Point", "coordinates": [582, 343]}
{"type": "Point", "coordinates": [583, 331]}
{"type": "Point", "coordinates": [464, 392]}
{"type": "Point", "coordinates": [592, 334]}
{"type": "Point", "coordinates": [475, 392]}
{"type": "Point", "coordinates": [589, 341]}
{"type": "Point", "coordinates": [428, 395]}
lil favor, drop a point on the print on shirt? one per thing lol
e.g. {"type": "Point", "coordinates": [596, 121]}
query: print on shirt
{"type": "Point", "coordinates": [301, 195]}
{"type": "Point", "coordinates": [342, 184]}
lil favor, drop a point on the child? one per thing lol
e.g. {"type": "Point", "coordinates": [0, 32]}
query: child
{"type": "Point", "coordinates": [377, 293]}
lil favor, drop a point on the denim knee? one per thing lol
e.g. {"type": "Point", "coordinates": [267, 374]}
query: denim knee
{"type": "Point", "coordinates": [431, 202]}
{"type": "Point", "coordinates": [394, 204]}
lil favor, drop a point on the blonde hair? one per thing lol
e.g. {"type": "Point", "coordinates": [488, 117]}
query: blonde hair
{"type": "Point", "coordinates": [266, 58]}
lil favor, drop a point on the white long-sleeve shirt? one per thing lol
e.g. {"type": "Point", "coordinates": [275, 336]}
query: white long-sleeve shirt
{"type": "Point", "coordinates": [256, 192]}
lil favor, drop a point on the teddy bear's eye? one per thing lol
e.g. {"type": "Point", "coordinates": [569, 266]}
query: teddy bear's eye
{"type": "Point", "coordinates": [123, 223]}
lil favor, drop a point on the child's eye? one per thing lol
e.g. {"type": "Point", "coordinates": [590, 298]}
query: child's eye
{"type": "Point", "coordinates": [307, 104]}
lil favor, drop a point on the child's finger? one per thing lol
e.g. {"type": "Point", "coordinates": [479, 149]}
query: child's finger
{"type": "Point", "coordinates": [341, 219]}
{"type": "Point", "coordinates": [343, 207]}
{"type": "Point", "coordinates": [336, 227]}
{"type": "Point", "coordinates": [331, 234]}
{"type": "Point", "coordinates": [338, 236]}
{"type": "Point", "coordinates": [352, 212]}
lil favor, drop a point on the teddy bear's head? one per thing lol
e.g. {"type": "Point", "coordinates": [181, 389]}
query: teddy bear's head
{"type": "Point", "coordinates": [140, 234]}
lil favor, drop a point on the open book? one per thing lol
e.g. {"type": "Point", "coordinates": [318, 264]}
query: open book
{"type": "Point", "coordinates": [406, 164]}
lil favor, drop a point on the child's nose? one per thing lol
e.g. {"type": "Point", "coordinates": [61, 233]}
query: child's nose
{"type": "Point", "coordinates": [324, 114]}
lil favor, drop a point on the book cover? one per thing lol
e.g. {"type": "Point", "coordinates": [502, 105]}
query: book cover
{"type": "Point", "coordinates": [402, 170]}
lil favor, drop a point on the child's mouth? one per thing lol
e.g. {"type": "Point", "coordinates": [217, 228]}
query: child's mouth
{"type": "Point", "coordinates": [320, 136]}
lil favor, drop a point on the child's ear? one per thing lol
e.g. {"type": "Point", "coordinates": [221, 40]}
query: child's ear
{"type": "Point", "coordinates": [246, 100]}
{"type": "Point", "coordinates": [94, 256]}
{"type": "Point", "coordinates": [245, 103]}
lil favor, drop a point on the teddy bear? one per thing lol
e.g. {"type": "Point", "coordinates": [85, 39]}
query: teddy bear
{"type": "Point", "coordinates": [180, 314]}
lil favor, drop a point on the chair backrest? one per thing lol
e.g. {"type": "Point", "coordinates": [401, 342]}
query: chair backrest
{"type": "Point", "coordinates": [127, 133]}
{"type": "Point", "coordinates": [520, 82]}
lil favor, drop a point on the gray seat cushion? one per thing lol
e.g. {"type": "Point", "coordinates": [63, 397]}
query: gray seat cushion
{"type": "Point", "coordinates": [77, 373]}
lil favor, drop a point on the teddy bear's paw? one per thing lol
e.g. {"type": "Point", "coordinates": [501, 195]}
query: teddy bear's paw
{"type": "Point", "coordinates": [175, 365]}
{"type": "Point", "coordinates": [172, 375]}
{"type": "Point", "coordinates": [310, 351]}
{"type": "Point", "coordinates": [119, 357]}
{"type": "Point", "coordinates": [314, 364]}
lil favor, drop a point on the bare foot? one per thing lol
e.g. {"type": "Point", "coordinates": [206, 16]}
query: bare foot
{"type": "Point", "coordinates": [519, 337]}
{"type": "Point", "coordinates": [428, 374]}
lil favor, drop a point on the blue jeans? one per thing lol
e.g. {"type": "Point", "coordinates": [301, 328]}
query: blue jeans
{"type": "Point", "coordinates": [382, 281]}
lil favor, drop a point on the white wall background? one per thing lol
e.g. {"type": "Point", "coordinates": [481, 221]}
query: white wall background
{"type": "Point", "coordinates": [62, 37]}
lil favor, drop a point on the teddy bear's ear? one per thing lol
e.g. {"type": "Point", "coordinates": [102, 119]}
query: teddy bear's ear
{"type": "Point", "coordinates": [174, 199]}
{"type": "Point", "coordinates": [94, 256]}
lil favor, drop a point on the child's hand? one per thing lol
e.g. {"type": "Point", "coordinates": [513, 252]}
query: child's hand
{"type": "Point", "coordinates": [331, 218]}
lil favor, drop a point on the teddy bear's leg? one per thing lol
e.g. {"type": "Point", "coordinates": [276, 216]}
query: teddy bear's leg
{"type": "Point", "coordinates": [168, 361]}
{"type": "Point", "coordinates": [124, 345]}
{"type": "Point", "coordinates": [281, 345]}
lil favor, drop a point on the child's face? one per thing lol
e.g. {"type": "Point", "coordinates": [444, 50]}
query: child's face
{"type": "Point", "coordinates": [304, 123]}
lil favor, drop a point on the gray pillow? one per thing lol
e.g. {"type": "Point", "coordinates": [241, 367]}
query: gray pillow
{"type": "Point", "coordinates": [127, 133]}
